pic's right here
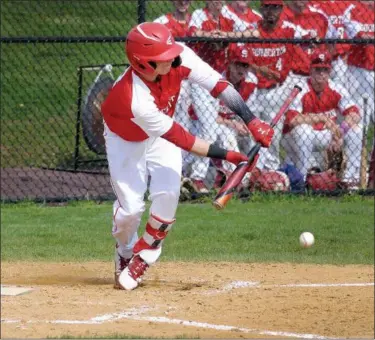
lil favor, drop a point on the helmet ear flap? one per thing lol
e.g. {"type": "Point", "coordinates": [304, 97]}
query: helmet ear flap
{"type": "Point", "coordinates": [177, 62]}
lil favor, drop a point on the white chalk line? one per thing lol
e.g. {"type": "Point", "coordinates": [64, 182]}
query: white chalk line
{"type": "Point", "coordinates": [97, 320]}
{"type": "Point", "coordinates": [118, 316]}
{"type": "Point", "coordinates": [231, 328]}
{"type": "Point", "coordinates": [135, 314]}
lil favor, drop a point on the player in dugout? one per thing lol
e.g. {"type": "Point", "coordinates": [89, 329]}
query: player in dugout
{"type": "Point", "coordinates": [143, 140]}
{"type": "Point", "coordinates": [308, 23]}
{"type": "Point", "coordinates": [311, 122]}
{"type": "Point", "coordinates": [272, 64]}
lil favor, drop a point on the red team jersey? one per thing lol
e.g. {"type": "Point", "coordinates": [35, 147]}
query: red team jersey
{"type": "Point", "coordinates": [276, 56]}
{"type": "Point", "coordinates": [241, 21]}
{"type": "Point", "coordinates": [361, 22]}
{"type": "Point", "coordinates": [178, 28]}
{"type": "Point", "coordinates": [136, 109]}
{"type": "Point", "coordinates": [334, 99]}
{"type": "Point", "coordinates": [308, 24]}
{"type": "Point", "coordinates": [213, 54]}
{"type": "Point", "coordinates": [336, 11]}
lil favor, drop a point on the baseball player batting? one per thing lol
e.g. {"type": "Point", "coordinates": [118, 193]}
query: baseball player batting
{"type": "Point", "coordinates": [143, 141]}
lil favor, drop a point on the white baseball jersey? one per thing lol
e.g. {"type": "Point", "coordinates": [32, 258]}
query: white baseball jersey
{"type": "Point", "coordinates": [136, 109]}
{"type": "Point", "coordinates": [178, 28]}
{"type": "Point", "coordinates": [241, 22]}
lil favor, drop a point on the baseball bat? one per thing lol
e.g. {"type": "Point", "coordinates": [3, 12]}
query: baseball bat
{"type": "Point", "coordinates": [230, 186]}
{"type": "Point", "coordinates": [363, 172]}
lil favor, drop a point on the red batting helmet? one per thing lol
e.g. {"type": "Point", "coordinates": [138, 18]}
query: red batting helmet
{"type": "Point", "coordinates": [150, 42]}
{"type": "Point", "coordinates": [321, 58]}
{"type": "Point", "coordinates": [239, 53]}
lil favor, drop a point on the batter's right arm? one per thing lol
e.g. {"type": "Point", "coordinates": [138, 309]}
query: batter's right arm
{"type": "Point", "coordinates": [185, 140]}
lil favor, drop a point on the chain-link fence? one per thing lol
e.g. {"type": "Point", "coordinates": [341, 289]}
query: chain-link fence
{"type": "Point", "coordinates": [59, 59]}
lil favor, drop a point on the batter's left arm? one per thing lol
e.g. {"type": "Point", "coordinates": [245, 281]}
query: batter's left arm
{"type": "Point", "coordinates": [203, 74]}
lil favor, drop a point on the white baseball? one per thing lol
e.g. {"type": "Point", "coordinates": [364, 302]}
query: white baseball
{"type": "Point", "coordinates": [306, 239]}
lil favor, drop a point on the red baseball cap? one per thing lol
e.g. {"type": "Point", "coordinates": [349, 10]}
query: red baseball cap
{"type": "Point", "coordinates": [321, 58]}
{"type": "Point", "coordinates": [239, 53]}
{"type": "Point", "coordinates": [272, 2]}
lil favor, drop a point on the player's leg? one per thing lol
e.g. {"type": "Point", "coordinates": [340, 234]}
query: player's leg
{"type": "Point", "coordinates": [164, 164]}
{"type": "Point", "coordinates": [272, 101]}
{"type": "Point", "coordinates": [340, 71]}
{"type": "Point", "coordinates": [258, 107]}
{"type": "Point", "coordinates": [127, 167]}
{"type": "Point", "coordinates": [371, 175]}
{"type": "Point", "coordinates": [227, 138]}
{"type": "Point", "coordinates": [183, 103]}
{"type": "Point", "coordinates": [367, 79]}
{"type": "Point", "coordinates": [302, 141]}
{"type": "Point", "coordinates": [362, 84]}
{"type": "Point", "coordinates": [206, 108]}
{"type": "Point", "coordinates": [352, 150]}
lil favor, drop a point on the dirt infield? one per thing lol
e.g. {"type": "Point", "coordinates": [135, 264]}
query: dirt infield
{"type": "Point", "coordinates": [205, 300]}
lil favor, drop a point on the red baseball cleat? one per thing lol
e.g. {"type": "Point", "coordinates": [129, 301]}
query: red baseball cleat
{"type": "Point", "coordinates": [120, 264]}
{"type": "Point", "coordinates": [131, 276]}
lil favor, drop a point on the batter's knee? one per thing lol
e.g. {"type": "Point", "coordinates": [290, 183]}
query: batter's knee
{"type": "Point", "coordinates": [164, 204]}
{"type": "Point", "coordinates": [126, 219]}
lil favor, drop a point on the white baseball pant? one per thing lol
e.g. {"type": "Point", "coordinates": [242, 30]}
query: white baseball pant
{"type": "Point", "coordinates": [131, 164]}
{"type": "Point", "coordinates": [183, 103]}
{"type": "Point", "coordinates": [229, 139]}
{"type": "Point", "coordinates": [303, 140]}
{"type": "Point", "coordinates": [339, 72]}
{"type": "Point", "coordinates": [206, 108]}
{"type": "Point", "coordinates": [265, 106]}
{"type": "Point", "coordinates": [361, 84]}
{"type": "Point", "coordinates": [182, 117]}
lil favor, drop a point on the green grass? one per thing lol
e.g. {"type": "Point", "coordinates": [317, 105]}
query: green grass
{"type": "Point", "coordinates": [262, 230]}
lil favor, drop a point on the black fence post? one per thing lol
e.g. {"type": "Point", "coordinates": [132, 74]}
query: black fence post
{"type": "Point", "coordinates": [78, 119]}
{"type": "Point", "coordinates": [141, 11]}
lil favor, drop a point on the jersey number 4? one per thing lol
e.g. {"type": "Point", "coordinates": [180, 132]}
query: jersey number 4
{"type": "Point", "coordinates": [279, 64]}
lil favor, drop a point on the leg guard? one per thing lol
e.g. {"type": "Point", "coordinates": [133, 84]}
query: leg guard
{"type": "Point", "coordinates": [146, 252]}
{"type": "Point", "coordinates": [149, 245]}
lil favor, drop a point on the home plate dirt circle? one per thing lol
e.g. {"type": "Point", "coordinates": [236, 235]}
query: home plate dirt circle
{"type": "Point", "coordinates": [190, 300]}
